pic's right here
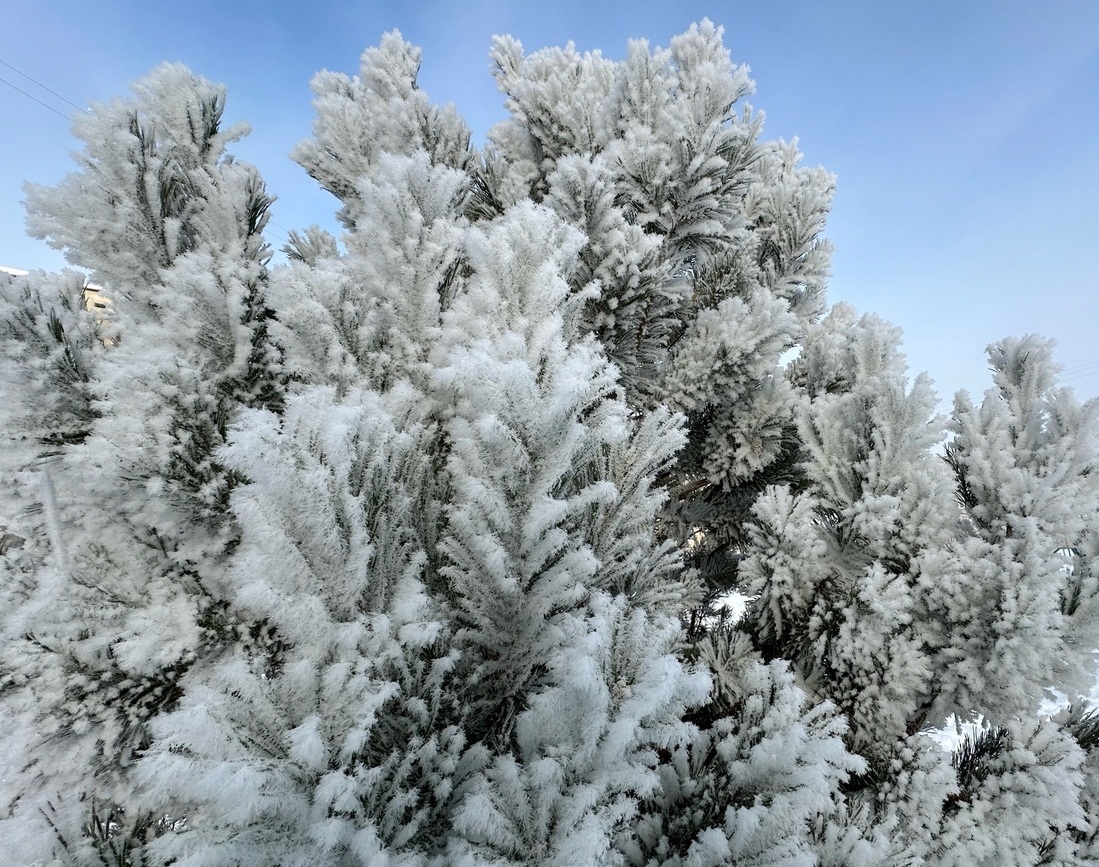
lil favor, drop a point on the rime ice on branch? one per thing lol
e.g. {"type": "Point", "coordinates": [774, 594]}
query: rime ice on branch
{"type": "Point", "coordinates": [419, 549]}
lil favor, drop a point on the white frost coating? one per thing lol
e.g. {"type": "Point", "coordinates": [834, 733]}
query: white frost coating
{"type": "Point", "coordinates": [417, 550]}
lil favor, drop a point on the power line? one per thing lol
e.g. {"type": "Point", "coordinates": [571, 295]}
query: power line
{"type": "Point", "coordinates": [1079, 367]}
{"type": "Point", "coordinates": [35, 98]}
{"type": "Point", "coordinates": [1077, 376]}
{"type": "Point", "coordinates": [40, 84]}
{"type": "Point", "coordinates": [1078, 371]}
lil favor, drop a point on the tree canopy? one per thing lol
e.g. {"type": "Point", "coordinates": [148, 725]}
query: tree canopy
{"type": "Point", "coordinates": [549, 515]}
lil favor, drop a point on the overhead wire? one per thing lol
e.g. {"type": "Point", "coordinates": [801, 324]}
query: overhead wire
{"type": "Point", "coordinates": [1078, 371]}
{"type": "Point", "coordinates": [44, 87]}
{"type": "Point", "coordinates": [35, 98]}
{"type": "Point", "coordinates": [1077, 376]}
{"type": "Point", "coordinates": [1078, 366]}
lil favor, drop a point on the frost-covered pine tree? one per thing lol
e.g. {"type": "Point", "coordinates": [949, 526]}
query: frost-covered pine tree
{"type": "Point", "coordinates": [415, 549]}
{"type": "Point", "coordinates": [889, 596]}
{"type": "Point", "coordinates": [704, 242]}
{"type": "Point", "coordinates": [118, 590]}
{"type": "Point", "coordinates": [1024, 464]}
{"type": "Point", "coordinates": [385, 99]}
{"type": "Point", "coordinates": [836, 566]}
{"type": "Point", "coordinates": [507, 687]}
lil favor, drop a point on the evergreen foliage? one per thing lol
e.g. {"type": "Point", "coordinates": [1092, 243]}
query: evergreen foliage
{"type": "Point", "coordinates": [425, 548]}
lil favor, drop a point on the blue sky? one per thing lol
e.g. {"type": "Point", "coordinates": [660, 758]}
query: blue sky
{"type": "Point", "coordinates": [964, 134]}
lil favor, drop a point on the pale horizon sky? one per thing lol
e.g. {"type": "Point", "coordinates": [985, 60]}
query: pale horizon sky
{"type": "Point", "coordinates": [964, 135]}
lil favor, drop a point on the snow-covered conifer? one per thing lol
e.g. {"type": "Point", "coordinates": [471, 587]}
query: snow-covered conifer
{"type": "Point", "coordinates": [374, 314]}
{"type": "Point", "coordinates": [704, 243]}
{"type": "Point", "coordinates": [837, 568]}
{"type": "Point", "coordinates": [332, 731]}
{"type": "Point", "coordinates": [891, 601]}
{"type": "Point", "coordinates": [452, 671]}
{"type": "Point", "coordinates": [384, 99]}
{"type": "Point", "coordinates": [1017, 799]}
{"type": "Point", "coordinates": [1024, 592]}
{"type": "Point", "coordinates": [154, 183]}
{"type": "Point", "coordinates": [418, 549]}
{"type": "Point", "coordinates": [135, 498]}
